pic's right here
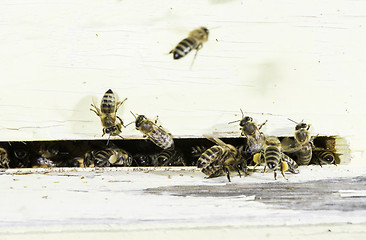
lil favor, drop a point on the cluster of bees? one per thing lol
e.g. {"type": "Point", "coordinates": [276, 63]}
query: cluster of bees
{"type": "Point", "coordinates": [218, 160]}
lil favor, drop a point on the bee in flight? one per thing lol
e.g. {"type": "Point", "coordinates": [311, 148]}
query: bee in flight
{"type": "Point", "coordinates": [195, 40]}
{"type": "Point", "coordinates": [274, 158]}
{"type": "Point", "coordinates": [250, 130]}
{"type": "Point", "coordinates": [159, 136]}
{"type": "Point", "coordinates": [220, 159]}
{"type": "Point", "coordinates": [112, 124]}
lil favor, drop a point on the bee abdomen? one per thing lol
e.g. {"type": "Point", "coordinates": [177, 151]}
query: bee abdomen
{"type": "Point", "coordinates": [304, 155]}
{"type": "Point", "coordinates": [184, 47]}
{"type": "Point", "coordinates": [108, 103]}
{"type": "Point", "coordinates": [161, 138]}
{"type": "Point", "coordinates": [325, 157]}
{"type": "Point", "coordinates": [209, 155]}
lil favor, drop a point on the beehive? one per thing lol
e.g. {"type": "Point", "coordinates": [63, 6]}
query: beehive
{"type": "Point", "coordinates": [275, 60]}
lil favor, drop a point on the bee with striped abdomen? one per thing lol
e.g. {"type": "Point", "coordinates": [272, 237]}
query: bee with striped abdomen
{"type": "Point", "coordinates": [303, 145]}
{"type": "Point", "coordinates": [195, 40]}
{"type": "Point", "coordinates": [275, 159]}
{"type": "Point", "coordinates": [4, 160]}
{"type": "Point", "coordinates": [169, 157]}
{"type": "Point", "coordinates": [159, 136]}
{"type": "Point", "coordinates": [250, 130]}
{"type": "Point", "coordinates": [112, 124]}
{"type": "Point", "coordinates": [220, 159]}
{"type": "Point", "coordinates": [324, 157]}
{"type": "Point", "coordinates": [108, 157]}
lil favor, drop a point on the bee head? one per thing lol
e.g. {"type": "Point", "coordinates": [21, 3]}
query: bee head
{"type": "Point", "coordinates": [273, 141]}
{"type": "Point", "coordinates": [245, 120]}
{"type": "Point", "coordinates": [139, 120]}
{"type": "Point", "coordinates": [205, 29]}
{"type": "Point", "coordinates": [302, 125]}
{"type": "Point", "coordinates": [111, 130]}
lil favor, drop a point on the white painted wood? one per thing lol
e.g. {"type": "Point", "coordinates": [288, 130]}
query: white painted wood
{"type": "Point", "coordinates": [274, 59]}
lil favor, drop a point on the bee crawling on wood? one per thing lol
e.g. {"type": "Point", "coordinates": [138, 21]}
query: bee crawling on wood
{"type": "Point", "coordinates": [4, 160]}
{"type": "Point", "coordinates": [112, 124]}
{"type": "Point", "coordinates": [251, 131]}
{"type": "Point", "coordinates": [159, 136]}
{"type": "Point", "coordinates": [303, 144]}
{"type": "Point", "coordinates": [195, 40]}
{"type": "Point", "coordinates": [221, 159]}
{"type": "Point", "coordinates": [273, 157]}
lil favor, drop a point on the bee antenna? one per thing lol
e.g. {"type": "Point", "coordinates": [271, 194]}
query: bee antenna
{"type": "Point", "coordinates": [129, 124]}
{"type": "Point", "coordinates": [242, 114]}
{"type": "Point", "coordinates": [108, 139]}
{"type": "Point", "coordinates": [292, 120]}
{"type": "Point", "coordinates": [133, 114]}
{"type": "Point", "coordinates": [234, 121]}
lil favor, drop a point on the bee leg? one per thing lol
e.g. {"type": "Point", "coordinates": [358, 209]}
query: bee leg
{"type": "Point", "coordinates": [120, 122]}
{"type": "Point", "coordinates": [96, 110]}
{"type": "Point", "coordinates": [260, 126]}
{"type": "Point", "coordinates": [227, 174]}
{"type": "Point", "coordinates": [238, 169]}
{"type": "Point", "coordinates": [275, 175]}
{"type": "Point", "coordinates": [119, 104]}
{"type": "Point", "coordinates": [283, 174]}
{"type": "Point", "coordinates": [156, 120]}
{"type": "Point", "coordinates": [195, 55]}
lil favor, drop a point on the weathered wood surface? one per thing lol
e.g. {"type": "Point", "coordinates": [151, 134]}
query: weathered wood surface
{"type": "Point", "coordinates": [159, 198]}
{"type": "Point", "coordinates": [276, 60]}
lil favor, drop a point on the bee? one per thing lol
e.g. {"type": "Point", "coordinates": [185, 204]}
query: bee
{"type": "Point", "coordinates": [145, 160]}
{"type": "Point", "coordinates": [250, 130]}
{"type": "Point", "coordinates": [195, 40]}
{"type": "Point", "coordinates": [112, 124]}
{"type": "Point", "coordinates": [108, 157]}
{"type": "Point", "coordinates": [159, 136]}
{"type": "Point", "coordinates": [324, 156]}
{"type": "Point", "coordinates": [303, 144]}
{"type": "Point", "coordinates": [170, 158]}
{"type": "Point", "coordinates": [197, 151]}
{"type": "Point", "coordinates": [43, 162]}
{"type": "Point", "coordinates": [220, 159]}
{"type": "Point", "coordinates": [4, 160]}
{"type": "Point", "coordinates": [274, 158]}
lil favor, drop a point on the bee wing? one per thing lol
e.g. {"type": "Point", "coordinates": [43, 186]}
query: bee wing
{"type": "Point", "coordinates": [289, 145]}
{"type": "Point", "coordinates": [216, 140]}
{"type": "Point", "coordinates": [95, 101]}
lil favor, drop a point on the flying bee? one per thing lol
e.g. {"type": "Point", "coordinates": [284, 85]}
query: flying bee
{"type": "Point", "coordinates": [170, 158]}
{"type": "Point", "coordinates": [195, 40]}
{"type": "Point", "coordinates": [4, 160]}
{"type": "Point", "coordinates": [108, 157]}
{"type": "Point", "coordinates": [274, 158]}
{"type": "Point", "coordinates": [324, 156]}
{"type": "Point", "coordinates": [112, 124]}
{"type": "Point", "coordinates": [159, 136]}
{"type": "Point", "coordinates": [220, 159]}
{"type": "Point", "coordinates": [250, 130]}
{"type": "Point", "coordinates": [303, 144]}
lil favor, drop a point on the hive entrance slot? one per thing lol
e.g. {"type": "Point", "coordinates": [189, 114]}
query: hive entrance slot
{"type": "Point", "coordinates": [143, 152]}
